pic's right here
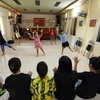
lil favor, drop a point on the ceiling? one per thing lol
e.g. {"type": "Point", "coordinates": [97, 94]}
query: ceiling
{"type": "Point", "coordinates": [46, 6]}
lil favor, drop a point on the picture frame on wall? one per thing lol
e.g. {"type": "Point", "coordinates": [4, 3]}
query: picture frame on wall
{"type": "Point", "coordinates": [93, 23]}
{"type": "Point", "coordinates": [39, 21]}
{"type": "Point", "coordinates": [81, 23]}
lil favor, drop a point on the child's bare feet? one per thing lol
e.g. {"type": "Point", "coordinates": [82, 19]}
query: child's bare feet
{"type": "Point", "coordinates": [3, 54]}
{"type": "Point", "coordinates": [72, 50]}
{"type": "Point", "coordinates": [61, 53]}
{"type": "Point", "coordinates": [37, 55]}
{"type": "Point", "coordinates": [44, 54]}
{"type": "Point", "coordinates": [13, 48]}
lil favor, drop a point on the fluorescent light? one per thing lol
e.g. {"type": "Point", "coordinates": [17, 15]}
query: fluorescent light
{"type": "Point", "coordinates": [25, 9]}
{"type": "Point", "coordinates": [16, 1]}
{"type": "Point", "coordinates": [51, 10]}
{"type": "Point", "coordinates": [37, 2]}
{"type": "Point", "coordinates": [38, 10]}
{"type": "Point", "coordinates": [57, 3]}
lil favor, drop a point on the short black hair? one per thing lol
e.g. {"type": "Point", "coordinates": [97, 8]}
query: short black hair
{"type": "Point", "coordinates": [14, 64]}
{"type": "Point", "coordinates": [97, 66]}
{"type": "Point", "coordinates": [95, 61]}
{"type": "Point", "coordinates": [42, 69]}
{"type": "Point", "coordinates": [39, 33]}
{"type": "Point", "coordinates": [92, 60]}
{"type": "Point", "coordinates": [35, 33]}
{"type": "Point", "coordinates": [61, 30]}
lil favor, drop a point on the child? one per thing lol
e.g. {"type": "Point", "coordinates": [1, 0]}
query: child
{"type": "Point", "coordinates": [3, 43]}
{"type": "Point", "coordinates": [65, 79]}
{"type": "Point", "coordinates": [52, 37]}
{"type": "Point", "coordinates": [42, 87]}
{"type": "Point", "coordinates": [17, 84]}
{"type": "Point", "coordinates": [90, 81]}
{"type": "Point", "coordinates": [64, 41]}
{"type": "Point", "coordinates": [37, 42]}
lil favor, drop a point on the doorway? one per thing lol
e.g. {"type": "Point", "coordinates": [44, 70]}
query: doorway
{"type": "Point", "coordinates": [73, 26]}
{"type": "Point", "coordinates": [73, 31]}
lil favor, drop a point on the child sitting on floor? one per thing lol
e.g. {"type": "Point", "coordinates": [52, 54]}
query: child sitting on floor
{"type": "Point", "coordinates": [90, 81]}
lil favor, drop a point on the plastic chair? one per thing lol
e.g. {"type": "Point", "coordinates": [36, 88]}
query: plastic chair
{"type": "Point", "coordinates": [78, 44]}
{"type": "Point", "coordinates": [89, 48]}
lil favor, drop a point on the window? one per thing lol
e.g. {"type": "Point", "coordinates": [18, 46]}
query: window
{"type": "Point", "coordinates": [98, 36]}
{"type": "Point", "coordinates": [73, 26]}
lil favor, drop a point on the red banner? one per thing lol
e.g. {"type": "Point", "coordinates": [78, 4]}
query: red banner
{"type": "Point", "coordinates": [39, 21]}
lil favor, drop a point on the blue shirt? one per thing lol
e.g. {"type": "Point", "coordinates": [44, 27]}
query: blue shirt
{"type": "Point", "coordinates": [63, 37]}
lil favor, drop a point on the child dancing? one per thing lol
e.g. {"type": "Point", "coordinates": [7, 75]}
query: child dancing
{"type": "Point", "coordinates": [52, 37]}
{"type": "Point", "coordinates": [3, 43]}
{"type": "Point", "coordinates": [37, 42]}
{"type": "Point", "coordinates": [63, 38]}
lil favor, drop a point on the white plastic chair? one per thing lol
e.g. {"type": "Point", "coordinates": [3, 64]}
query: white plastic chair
{"type": "Point", "coordinates": [78, 44]}
{"type": "Point", "coordinates": [89, 48]}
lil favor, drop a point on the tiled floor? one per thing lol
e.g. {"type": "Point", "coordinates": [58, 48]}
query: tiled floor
{"type": "Point", "coordinates": [27, 53]}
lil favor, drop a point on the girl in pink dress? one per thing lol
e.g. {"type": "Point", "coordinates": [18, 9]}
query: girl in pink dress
{"type": "Point", "coordinates": [37, 42]}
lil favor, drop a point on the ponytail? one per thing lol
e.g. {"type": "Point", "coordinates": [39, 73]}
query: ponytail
{"type": "Point", "coordinates": [42, 69]}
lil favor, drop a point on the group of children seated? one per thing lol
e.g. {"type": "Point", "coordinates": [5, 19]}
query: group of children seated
{"type": "Point", "coordinates": [65, 85]}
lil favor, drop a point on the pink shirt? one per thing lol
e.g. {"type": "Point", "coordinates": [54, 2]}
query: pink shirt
{"type": "Point", "coordinates": [37, 42]}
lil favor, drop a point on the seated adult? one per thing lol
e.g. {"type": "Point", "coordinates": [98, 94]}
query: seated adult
{"type": "Point", "coordinates": [17, 84]}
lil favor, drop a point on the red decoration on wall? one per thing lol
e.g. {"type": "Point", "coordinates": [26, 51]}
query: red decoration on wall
{"type": "Point", "coordinates": [39, 21]}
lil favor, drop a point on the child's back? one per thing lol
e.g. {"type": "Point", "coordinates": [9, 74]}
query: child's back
{"type": "Point", "coordinates": [90, 80]}
{"type": "Point", "coordinates": [42, 87]}
{"type": "Point", "coordinates": [65, 89]}
{"type": "Point", "coordinates": [89, 86]}
{"type": "Point", "coordinates": [65, 80]}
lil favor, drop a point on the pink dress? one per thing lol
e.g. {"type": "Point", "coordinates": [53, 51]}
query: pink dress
{"type": "Point", "coordinates": [37, 42]}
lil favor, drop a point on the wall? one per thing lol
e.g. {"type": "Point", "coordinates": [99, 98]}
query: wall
{"type": "Point", "coordinates": [7, 29]}
{"type": "Point", "coordinates": [27, 20]}
{"type": "Point", "coordinates": [3, 14]}
{"type": "Point", "coordinates": [92, 8]}
{"type": "Point", "coordinates": [93, 31]}
{"type": "Point", "coordinates": [62, 22]}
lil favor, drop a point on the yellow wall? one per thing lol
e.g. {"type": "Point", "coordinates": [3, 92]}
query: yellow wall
{"type": "Point", "coordinates": [92, 8]}
{"type": "Point", "coordinates": [93, 31]}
